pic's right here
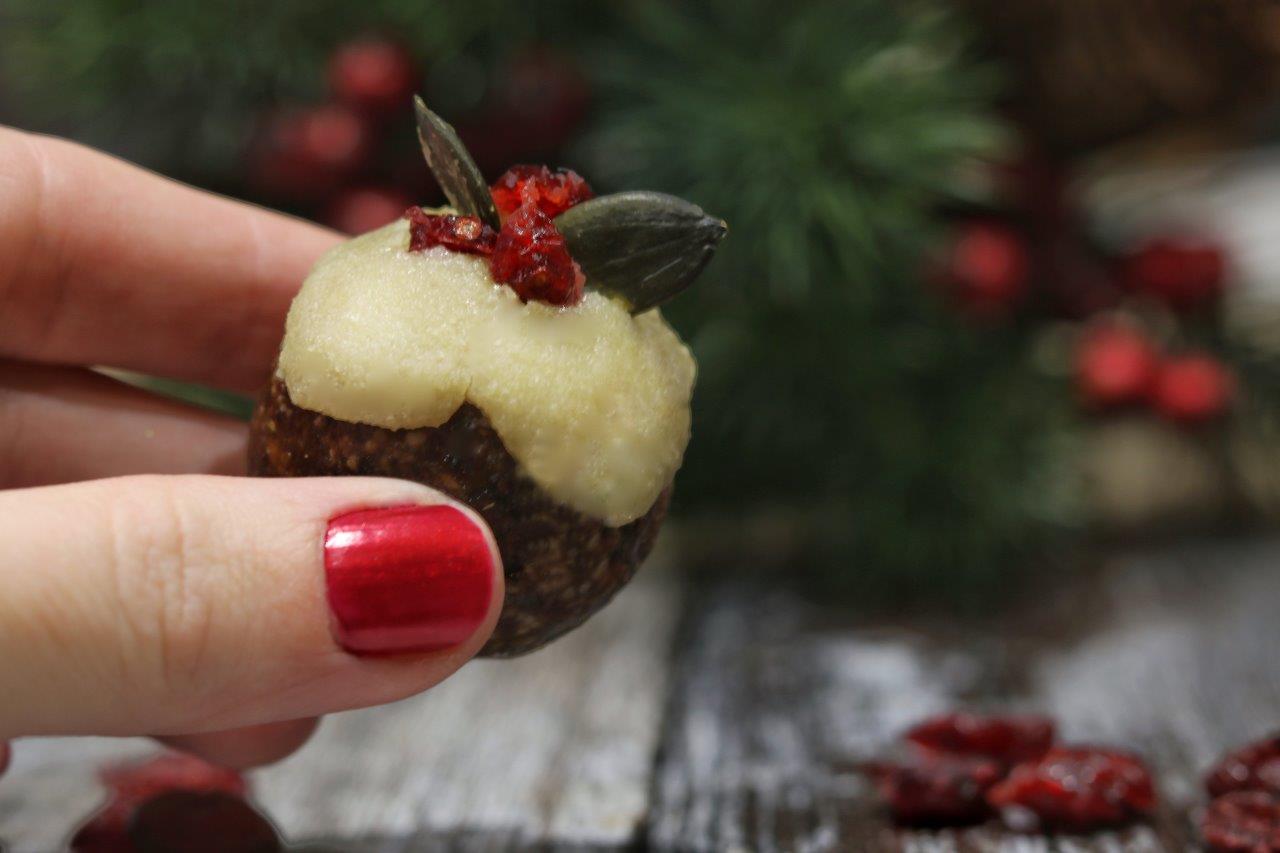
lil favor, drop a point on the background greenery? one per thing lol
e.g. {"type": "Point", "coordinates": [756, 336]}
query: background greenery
{"type": "Point", "coordinates": [919, 447]}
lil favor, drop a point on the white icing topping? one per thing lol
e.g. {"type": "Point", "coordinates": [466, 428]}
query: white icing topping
{"type": "Point", "coordinates": [593, 402]}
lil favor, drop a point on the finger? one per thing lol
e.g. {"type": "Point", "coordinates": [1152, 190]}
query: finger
{"type": "Point", "coordinates": [171, 605]}
{"type": "Point", "coordinates": [105, 263]}
{"type": "Point", "coordinates": [4, 756]}
{"type": "Point", "coordinates": [252, 746]}
{"type": "Point", "coordinates": [62, 425]}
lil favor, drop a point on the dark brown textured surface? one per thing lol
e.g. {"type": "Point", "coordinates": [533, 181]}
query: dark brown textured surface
{"type": "Point", "coordinates": [560, 565]}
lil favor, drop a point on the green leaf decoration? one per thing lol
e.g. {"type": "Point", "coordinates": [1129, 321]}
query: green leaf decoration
{"type": "Point", "coordinates": [641, 247]}
{"type": "Point", "coordinates": [453, 167]}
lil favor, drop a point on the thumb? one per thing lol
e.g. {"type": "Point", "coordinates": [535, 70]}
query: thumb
{"type": "Point", "coordinates": [172, 605]}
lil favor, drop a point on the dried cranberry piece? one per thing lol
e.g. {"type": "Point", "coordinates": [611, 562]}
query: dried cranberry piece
{"type": "Point", "coordinates": [201, 822]}
{"type": "Point", "coordinates": [1075, 788]}
{"type": "Point", "coordinates": [936, 789]}
{"type": "Point", "coordinates": [1242, 822]}
{"type": "Point", "coordinates": [1253, 767]}
{"type": "Point", "coordinates": [131, 785]}
{"type": "Point", "coordinates": [1008, 739]}
{"type": "Point", "coordinates": [457, 233]}
{"type": "Point", "coordinates": [532, 257]}
{"type": "Point", "coordinates": [551, 192]}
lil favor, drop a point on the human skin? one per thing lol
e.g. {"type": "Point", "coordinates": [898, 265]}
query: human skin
{"type": "Point", "coordinates": [145, 587]}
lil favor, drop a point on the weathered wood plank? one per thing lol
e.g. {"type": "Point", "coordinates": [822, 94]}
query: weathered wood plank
{"type": "Point", "coordinates": [552, 749]}
{"type": "Point", "coordinates": [778, 699]}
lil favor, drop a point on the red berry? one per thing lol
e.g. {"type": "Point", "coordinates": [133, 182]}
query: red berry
{"type": "Point", "coordinates": [986, 269]}
{"type": "Point", "coordinates": [1242, 822]}
{"type": "Point", "coordinates": [543, 95]}
{"type": "Point", "coordinates": [1255, 767]}
{"type": "Point", "coordinates": [552, 192]}
{"type": "Point", "coordinates": [335, 138]}
{"type": "Point", "coordinates": [457, 233]}
{"type": "Point", "coordinates": [1185, 272]}
{"type": "Point", "coordinates": [1115, 365]}
{"type": "Point", "coordinates": [1193, 389]}
{"type": "Point", "coordinates": [373, 74]}
{"type": "Point", "coordinates": [305, 155]}
{"type": "Point", "coordinates": [532, 257]}
{"type": "Point", "coordinates": [1075, 788]}
{"type": "Point", "coordinates": [936, 789]}
{"type": "Point", "coordinates": [1008, 740]}
{"type": "Point", "coordinates": [131, 785]}
{"type": "Point", "coordinates": [363, 209]}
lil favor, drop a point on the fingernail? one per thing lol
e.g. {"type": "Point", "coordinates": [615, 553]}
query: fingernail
{"type": "Point", "coordinates": [406, 579]}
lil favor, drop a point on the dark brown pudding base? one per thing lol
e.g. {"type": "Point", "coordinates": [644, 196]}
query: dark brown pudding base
{"type": "Point", "coordinates": [560, 565]}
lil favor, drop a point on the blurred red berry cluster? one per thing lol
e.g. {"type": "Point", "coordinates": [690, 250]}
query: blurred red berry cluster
{"type": "Point", "coordinates": [1140, 309]}
{"type": "Point", "coordinates": [352, 162]}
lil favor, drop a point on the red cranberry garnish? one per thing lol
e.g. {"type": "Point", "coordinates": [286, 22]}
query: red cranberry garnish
{"type": "Point", "coordinates": [1242, 822]}
{"type": "Point", "coordinates": [131, 785]}
{"type": "Point", "coordinates": [1008, 740]}
{"type": "Point", "coordinates": [1075, 788]}
{"type": "Point", "coordinates": [1254, 767]}
{"type": "Point", "coordinates": [551, 192]}
{"type": "Point", "coordinates": [458, 233]}
{"type": "Point", "coordinates": [936, 789]}
{"type": "Point", "coordinates": [532, 257]}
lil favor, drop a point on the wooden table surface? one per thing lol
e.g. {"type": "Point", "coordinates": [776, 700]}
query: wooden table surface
{"type": "Point", "coordinates": [729, 717]}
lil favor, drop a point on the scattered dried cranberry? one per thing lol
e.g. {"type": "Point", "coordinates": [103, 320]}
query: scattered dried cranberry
{"type": "Point", "coordinates": [131, 785]}
{"type": "Point", "coordinates": [458, 233]}
{"type": "Point", "coordinates": [1075, 788]}
{"type": "Point", "coordinates": [532, 257]}
{"type": "Point", "coordinates": [1242, 822]}
{"type": "Point", "coordinates": [936, 789]}
{"type": "Point", "coordinates": [1008, 740]}
{"type": "Point", "coordinates": [1254, 767]}
{"type": "Point", "coordinates": [552, 192]}
{"type": "Point", "coordinates": [196, 822]}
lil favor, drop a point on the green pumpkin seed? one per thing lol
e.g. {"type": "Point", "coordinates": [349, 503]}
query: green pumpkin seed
{"type": "Point", "coordinates": [453, 167]}
{"type": "Point", "coordinates": [641, 247]}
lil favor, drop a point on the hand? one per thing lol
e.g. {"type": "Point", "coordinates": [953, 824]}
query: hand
{"type": "Point", "coordinates": [138, 593]}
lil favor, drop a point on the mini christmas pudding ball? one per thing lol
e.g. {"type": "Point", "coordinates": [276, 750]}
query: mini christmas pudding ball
{"type": "Point", "coordinates": [512, 356]}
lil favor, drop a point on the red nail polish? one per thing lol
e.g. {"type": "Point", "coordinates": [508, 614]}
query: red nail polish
{"type": "Point", "coordinates": [406, 579]}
